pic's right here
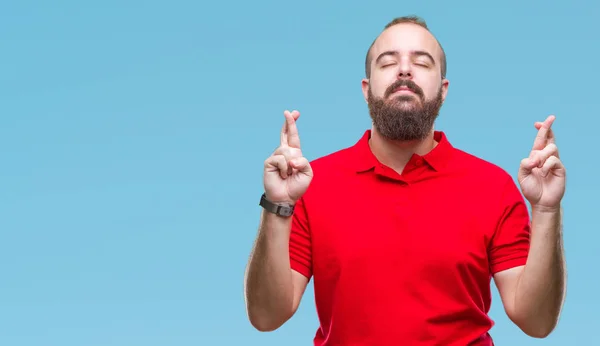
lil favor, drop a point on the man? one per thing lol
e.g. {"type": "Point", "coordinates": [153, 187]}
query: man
{"type": "Point", "coordinates": [402, 232]}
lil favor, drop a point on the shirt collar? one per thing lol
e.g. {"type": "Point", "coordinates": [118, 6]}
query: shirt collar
{"type": "Point", "coordinates": [437, 158]}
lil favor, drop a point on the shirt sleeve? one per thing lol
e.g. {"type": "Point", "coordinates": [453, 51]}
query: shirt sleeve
{"type": "Point", "coordinates": [300, 242]}
{"type": "Point", "coordinates": [510, 244]}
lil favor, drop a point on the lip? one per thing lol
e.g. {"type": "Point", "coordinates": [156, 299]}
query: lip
{"type": "Point", "coordinates": [403, 90]}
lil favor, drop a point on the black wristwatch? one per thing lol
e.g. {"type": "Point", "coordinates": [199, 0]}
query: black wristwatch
{"type": "Point", "coordinates": [278, 209]}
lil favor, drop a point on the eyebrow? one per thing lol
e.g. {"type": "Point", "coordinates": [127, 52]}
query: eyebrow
{"type": "Point", "coordinates": [395, 53]}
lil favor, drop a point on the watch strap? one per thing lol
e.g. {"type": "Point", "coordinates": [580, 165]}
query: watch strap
{"type": "Point", "coordinates": [278, 209]}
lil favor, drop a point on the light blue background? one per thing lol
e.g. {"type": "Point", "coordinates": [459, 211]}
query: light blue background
{"type": "Point", "coordinates": [132, 138]}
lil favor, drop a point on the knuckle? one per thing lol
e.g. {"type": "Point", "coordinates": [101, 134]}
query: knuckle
{"type": "Point", "coordinates": [274, 160]}
{"type": "Point", "coordinates": [281, 150]}
{"type": "Point", "coordinates": [279, 158]}
{"type": "Point", "coordinates": [288, 153]}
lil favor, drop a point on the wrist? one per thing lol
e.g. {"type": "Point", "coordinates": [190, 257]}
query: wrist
{"type": "Point", "coordinates": [279, 201]}
{"type": "Point", "coordinates": [278, 208]}
{"type": "Point", "coordinates": [546, 220]}
{"type": "Point", "coordinates": [542, 209]}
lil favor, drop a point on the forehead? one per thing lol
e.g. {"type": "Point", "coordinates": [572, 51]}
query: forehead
{"type": "Point", "coordinates": [406, 38]}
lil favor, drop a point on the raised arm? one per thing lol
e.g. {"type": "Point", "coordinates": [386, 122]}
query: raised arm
{"type": "Point", "coordinates": [272, 289]}
{"type": "Point", "coordinates": [533, 295]}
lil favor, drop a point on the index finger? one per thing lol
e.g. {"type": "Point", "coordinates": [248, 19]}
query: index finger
{"type": "Point", "coordinates": [549, 135]}
{"type": "Point", "coordinates": [284, 131]}
{"type": "Point", "coordinates": [543, 134]}
{"type": "Point", "coordinates": [293, 138]}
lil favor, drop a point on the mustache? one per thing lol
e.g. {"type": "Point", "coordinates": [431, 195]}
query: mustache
{"type": "Point", "coordinates": [412, 86]}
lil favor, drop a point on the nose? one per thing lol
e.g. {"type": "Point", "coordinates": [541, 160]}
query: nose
{"type": "Point", "coordinates": [404, 71]}
{"type": "Point", "coordinates": [404, 74]}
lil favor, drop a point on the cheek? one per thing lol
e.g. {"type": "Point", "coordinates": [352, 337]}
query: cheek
{"type": "Point", "coordinates": [430, 89]}
{"type": "Point", "coordinates": [379, 86]}
{"type": "Point", "coordinates": [378, 91]}
{"type": "Point", "coordinates": [381, 80]}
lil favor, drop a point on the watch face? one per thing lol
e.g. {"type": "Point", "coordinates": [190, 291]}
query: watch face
{"type": "Point", "coordinates": [285, 211]}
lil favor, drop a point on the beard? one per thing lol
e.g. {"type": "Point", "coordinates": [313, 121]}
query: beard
{"type": "Point", "coordinates": [404, 117]}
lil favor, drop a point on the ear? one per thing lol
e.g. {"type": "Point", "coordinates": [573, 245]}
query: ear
{"type": "Point", "coordinates": [445, 84]}
{"type": "Point", "coordinates": [365, 89]}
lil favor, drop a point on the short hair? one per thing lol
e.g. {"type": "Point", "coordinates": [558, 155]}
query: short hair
{"type": "Point", "coordinates": [402, 20]}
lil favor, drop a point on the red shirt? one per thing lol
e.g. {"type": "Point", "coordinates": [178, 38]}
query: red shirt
{"type": "Point", "coordinates": [407, 259]}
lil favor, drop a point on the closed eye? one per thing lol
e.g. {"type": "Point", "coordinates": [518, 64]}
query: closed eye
{"type": "Point", "coordinates": [422, 62]}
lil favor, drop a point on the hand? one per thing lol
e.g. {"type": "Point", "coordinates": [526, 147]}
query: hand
{"type": "Point", "coordinates": [542, 175]}
{"type": "Point", "coordinates": [287, 173]}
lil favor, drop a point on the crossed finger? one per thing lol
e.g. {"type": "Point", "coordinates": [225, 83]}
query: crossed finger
{"type": "Point", "coordinates": [289, 131]}
{"type": "Point", "coordinates": [544, 159]}
{"type": "Point", "coordinates": [543, 134]}
{"type": "Point", "coordinates": [549, 135]}
{"type": "Point", "coordinates": [539, 157]}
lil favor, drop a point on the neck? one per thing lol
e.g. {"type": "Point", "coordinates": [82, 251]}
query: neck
{"type": "Point", "coordinates": [396, 154]}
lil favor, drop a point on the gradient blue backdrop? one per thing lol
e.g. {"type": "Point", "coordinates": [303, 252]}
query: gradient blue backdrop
{"type": "Point", "coordinates": [132, 138]}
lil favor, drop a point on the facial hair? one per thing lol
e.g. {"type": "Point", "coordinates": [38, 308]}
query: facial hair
{"type": "Point", "coordinates": [404, 117]}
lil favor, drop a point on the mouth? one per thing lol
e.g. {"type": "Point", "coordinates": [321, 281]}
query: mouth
{"type": "Point", "coordinates": [403, 90]}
